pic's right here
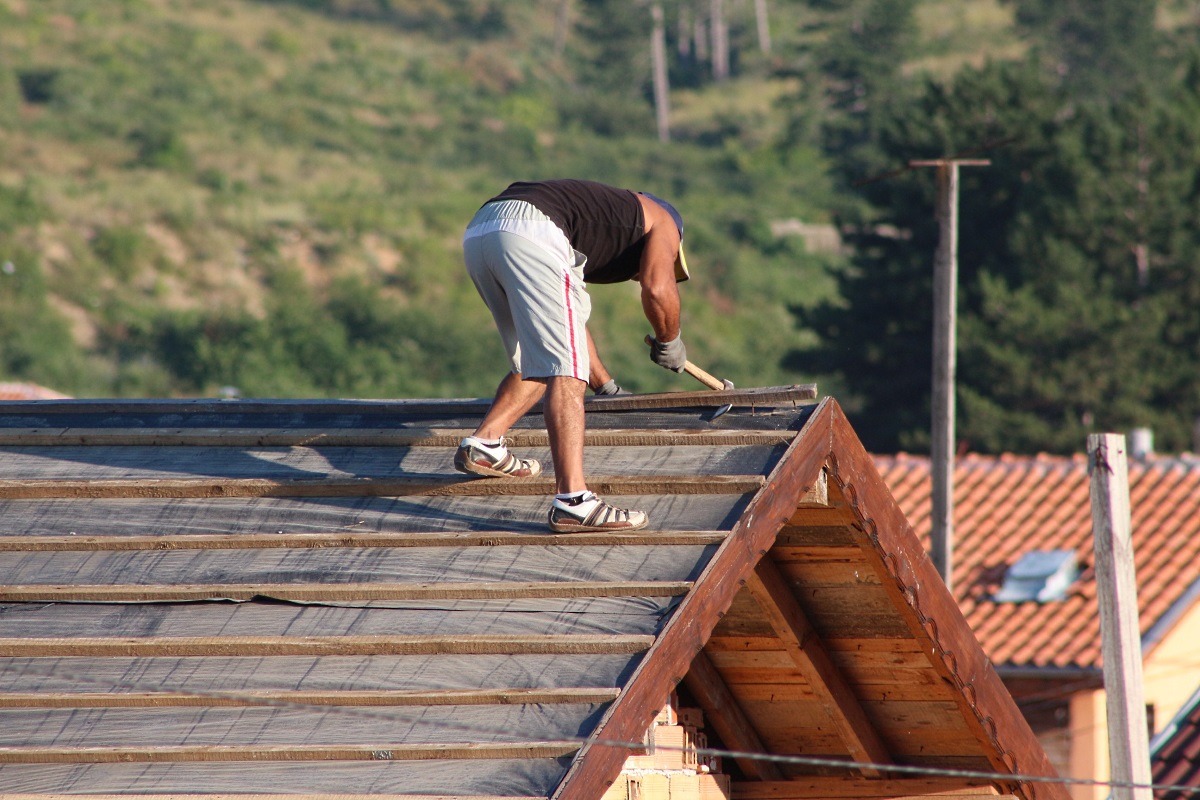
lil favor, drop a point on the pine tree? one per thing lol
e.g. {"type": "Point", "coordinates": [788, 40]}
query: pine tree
{"type": "Point", "coordinates": [1078, 281]}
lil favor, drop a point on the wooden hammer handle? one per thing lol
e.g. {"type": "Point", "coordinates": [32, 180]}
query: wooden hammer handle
{"type": "Point", "coordinates": [702, 376]}
{"type": "Point", "coordinates": [691, 369]}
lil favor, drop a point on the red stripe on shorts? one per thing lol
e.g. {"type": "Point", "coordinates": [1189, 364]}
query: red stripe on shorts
{"type": "Point", "coordinates": [571, 325]}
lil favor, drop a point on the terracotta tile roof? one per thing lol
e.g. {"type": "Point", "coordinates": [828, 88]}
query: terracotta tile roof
{"type": "Point", "coordinates": [1175, 753]}
{"type": "Point", "coordinates": [1006, 506]}
{"type": "Point", "coordinates": [28, 391]}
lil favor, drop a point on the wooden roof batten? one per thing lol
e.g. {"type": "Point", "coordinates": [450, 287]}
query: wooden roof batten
{"type": "Point", "coordinates": [774, 496]}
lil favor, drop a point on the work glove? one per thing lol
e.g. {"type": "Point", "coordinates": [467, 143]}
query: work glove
{"type": "Point", "coordinates": [609, 389]}
{"type": "Point", "coordinates": [669, 355]}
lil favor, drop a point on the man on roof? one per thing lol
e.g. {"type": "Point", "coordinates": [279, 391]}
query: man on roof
{"type": "Point", "coordinates": [530, 251]}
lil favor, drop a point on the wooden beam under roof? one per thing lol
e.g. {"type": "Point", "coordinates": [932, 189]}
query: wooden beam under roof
{"type": "Point", "coordinates": [804, 646]}
{"type": "Point", "coordinates": [842, 788]}
{"type": "Point", "coordinates": [722, 712]}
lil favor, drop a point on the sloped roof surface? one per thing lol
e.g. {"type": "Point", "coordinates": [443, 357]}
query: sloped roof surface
{"type": "Point", "coordinates": [1175, 753]}
{"type": "Point", "coordinates": [287, 597]}
{"type": "Point", "coordinates": [1006, 506]}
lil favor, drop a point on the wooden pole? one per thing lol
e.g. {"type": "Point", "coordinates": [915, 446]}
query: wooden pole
{"type": "Point", "coordinates": [1116, 584]}
{"type": "Point", "coordinates": [945, 316]}
{"type": "Point", "coordinates": [658, 52]}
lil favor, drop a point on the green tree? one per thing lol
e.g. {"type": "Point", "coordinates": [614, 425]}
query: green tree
{"type": "Point", "coordinates": [1100, 48]}
{"type": "Point", "coordinates": [1077, 283]}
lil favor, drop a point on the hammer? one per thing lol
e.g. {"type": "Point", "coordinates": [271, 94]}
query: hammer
{"type": "Point", "coordinates": [715, 384]}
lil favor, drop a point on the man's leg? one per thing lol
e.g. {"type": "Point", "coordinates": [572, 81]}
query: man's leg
{"type": "Point", "coordinates": [514, 397]}
{"type": "Point", "coordinates": [575, 509]}
{"type": "Point", "coordinates": [485, 452]}
{"type": "Point", "coordinates": [564, 422]}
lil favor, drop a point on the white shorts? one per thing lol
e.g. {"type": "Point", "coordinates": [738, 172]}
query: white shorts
{"type": "Point", "coordinates": [532, 281]}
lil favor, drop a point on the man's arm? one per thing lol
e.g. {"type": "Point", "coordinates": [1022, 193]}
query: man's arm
{"type": "Point", "coordinates": [598, 375]}
{"type": "Point", "coordinates": [660, 293]}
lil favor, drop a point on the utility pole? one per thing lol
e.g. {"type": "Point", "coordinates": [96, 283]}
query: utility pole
{"type": "Point", "coordinates": [945, 317]}
{"type": "Point", "coordinates": [1121, 638]}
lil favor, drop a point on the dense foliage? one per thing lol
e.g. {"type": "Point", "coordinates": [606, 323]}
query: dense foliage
{"type": "Point", "coordinates": [1079, 275]}
{"type": "Point", "coordinates": [268, 195]}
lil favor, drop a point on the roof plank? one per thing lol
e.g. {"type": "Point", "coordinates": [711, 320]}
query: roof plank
{"type": "Point", "coordinates": [479, 590]}
{"type": "Point", "coordinates": [380, 752]}
{"type": "Point", "coordinates": [158, 646]}
{"type": "Point", "coordinates": [369, 437]}
{"type": "Point", "coordinates": [242, 697]}
{"type": "Point", "coordinates": [399, 486]}
{"type": "Point", "coordinates": [523, 516]}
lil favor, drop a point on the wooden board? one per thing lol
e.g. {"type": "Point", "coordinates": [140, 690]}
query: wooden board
{"type": "Point", "coordinates": [400, 486]}
{"type": "Point", "coordinates": [316, 673]}
{"type": "Point", "coordinates": [254, 646]}
{"type": "Point", "coordinates": [280, 699]}
{"type": "Point", "coordinates": [337, 515]}
{"type": "Point", "coordinates": [445, 438]}
{"type": "Point", "coordinates": [514, 777]}
{"type": "Point", "coordinates": [436, 619]}
{"type": "Point", "coordinates": [758, 397]}
{"type": "Point", "coordinates": [268, 726]}
{"type": "Point", "coordinates": [157, 462]}
{"type": "Point", "coordinates": [326, 594]}
{"type": "Point", "coordinates": [517, 564]}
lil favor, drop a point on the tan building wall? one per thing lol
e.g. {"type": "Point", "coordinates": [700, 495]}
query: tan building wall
{"type": "Point", "coordinates": [1172, 670]}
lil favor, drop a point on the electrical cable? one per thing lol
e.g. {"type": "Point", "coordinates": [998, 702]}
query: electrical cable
{"type": "Point", "coordinates": [393, 715]}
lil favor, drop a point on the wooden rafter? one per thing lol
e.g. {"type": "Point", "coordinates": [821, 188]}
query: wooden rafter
{"type": "Point", "coordinates": [811, 657]}
{"type": "Point", "coordinates": [722, 712]}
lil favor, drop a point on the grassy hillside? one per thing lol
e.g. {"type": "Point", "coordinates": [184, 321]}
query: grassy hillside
{"type": "Point", "coordinates": [270, 195]}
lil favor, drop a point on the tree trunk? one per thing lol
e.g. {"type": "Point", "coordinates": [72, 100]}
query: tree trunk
{"type": "Point", "coordinates": [562, 26]}
{"type": "Point", "coordinates": [658, 52]}
{"type": "Point", "coordinates": [764, 30]}
{"type": "Point", "coordinates": [720, 41]}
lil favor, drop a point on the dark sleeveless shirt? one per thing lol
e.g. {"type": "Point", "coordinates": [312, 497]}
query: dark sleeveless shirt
{"type": "Point", "coordinates": [604, 223]}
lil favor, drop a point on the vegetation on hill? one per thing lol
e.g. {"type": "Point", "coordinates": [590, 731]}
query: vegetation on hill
{"type": "Point", "coordinates": [269, 194]}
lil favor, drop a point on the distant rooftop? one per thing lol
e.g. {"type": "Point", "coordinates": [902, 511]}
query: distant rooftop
{"type": "Point", "coordinates": [28, 391]}
{"type": "Point", "coordinates": [1008, 506]}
